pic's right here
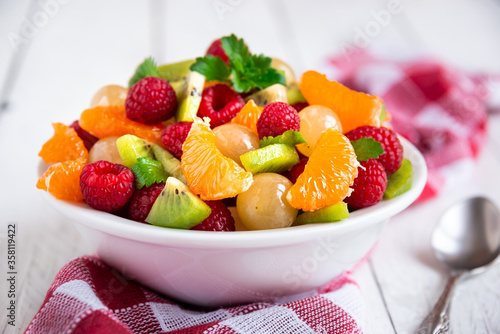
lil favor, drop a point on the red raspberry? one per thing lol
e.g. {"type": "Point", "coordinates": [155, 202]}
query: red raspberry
{"type": "Point", "coordinates": [106, 186]}
{"type": "Point", "coordinates": [219, 220]}
{"type": "Point", "coordinates": [216, 49]}
{"type": "Point", "coordinates": [220, 103]}
{"type": "Point", "coordinates": [296, 170]}
{"type": "Point", "coordinates": [174, 135]}
{"type": "Point", "coordinates": [151, 100]}
{"type": "Point", "coordinates": [300, 105]}
{"type": "Point", "coordinates": [369, 186]}
{"type": "Point", "coordinates": [393, 156]}
{"type": "Point", "coordinates": [142, 201]}
{"type": "Point", "coordinates": [88, 139]}
{"type": "Point", "coordinates": [276, 118]}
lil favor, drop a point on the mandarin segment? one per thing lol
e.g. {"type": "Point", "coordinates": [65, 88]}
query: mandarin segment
{"type": "Point", "coordinates": [64, 145]}
{"type": "Point", "coordinates": [353, 108]}
{"type": "Point", "coordinates": [112, 121]}
{"type": "Point", "coordinates": [62, 180]}
{"type": "Point", "coordinates": [248, 115]}
{"type": "Point", "coordinates": [208, 172]}
{"type": "Point", "coordinates": [328, 174]}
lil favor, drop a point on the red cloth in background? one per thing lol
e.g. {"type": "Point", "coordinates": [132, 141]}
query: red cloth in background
{"type": "Point", "coordinates": [442, 110]}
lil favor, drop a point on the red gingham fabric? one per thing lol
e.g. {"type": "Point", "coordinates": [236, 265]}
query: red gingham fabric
{"type": "Point", "coordinates": [87, 296]}
{"type": "Point", "coordinates": [442, 110]}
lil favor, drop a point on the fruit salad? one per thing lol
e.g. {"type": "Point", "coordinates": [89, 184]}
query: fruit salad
{"type": "Point", "coordinates": [230, 135]}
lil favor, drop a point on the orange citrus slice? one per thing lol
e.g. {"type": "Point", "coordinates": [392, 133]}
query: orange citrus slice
{"type": "Point", "coordinates": [248, 116]}
{"type": "Point", "coordinates": [64, 145]}
{"type": "Point", "coordinates": [62, 180]}
{"type": "Point", "coordinates": [208, 172]}
{"type": "Point", "coordinates": [330, 170]}
{"type": "Point", "coordinates": [353, 108]}
{"type": "Point", "coordinates": [112, 121]}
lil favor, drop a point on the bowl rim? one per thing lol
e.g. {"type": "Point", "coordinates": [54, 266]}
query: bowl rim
{"type": "Point", "coordinates": [129, 229]}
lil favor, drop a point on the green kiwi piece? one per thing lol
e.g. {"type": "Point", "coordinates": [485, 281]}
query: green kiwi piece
{"type": "Point", "coordinates": [188, 86]}
{"type": "Point", "coordinates": [400, 181]}
{"type": "Point", "coordinates": [293, 94]}
{"type": "Point", "coordinates": [148, 171]}
{"type": "Point", "coordinates": [383, 114]}
{"type": "Point", "coordinates": [331, 213]}
{"type": "Point", "coordinates": [131, 147]}
{"type": "Point", "coordinates": [289, 137]}
{"type": "Point", "coordinates": [285, 69]}
{"type": "Point", "coordinates": [175, 71]}
{"type": "Point", "coordinates": [274, 158]}
{"type": "Point", "coordinates": [170, 164]}
{"type": "Point", "coordinates": [189, 96]}
{"type": "Point", "coordinates": [177, 207]}
{"type": "Point", "coordinates": [274, 93]}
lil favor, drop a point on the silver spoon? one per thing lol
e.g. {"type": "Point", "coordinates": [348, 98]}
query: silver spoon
{"type": "Point", "coordinates": [466, 239]}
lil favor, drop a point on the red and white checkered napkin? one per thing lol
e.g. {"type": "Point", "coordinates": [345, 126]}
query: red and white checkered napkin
{"type": "Point", "coordinates": [440, 109]}
{"type": "Point", "coordinates": [87, 296]}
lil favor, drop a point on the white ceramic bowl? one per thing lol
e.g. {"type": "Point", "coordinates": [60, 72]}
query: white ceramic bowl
{"type": "Point", "coordinates": [214, 269]}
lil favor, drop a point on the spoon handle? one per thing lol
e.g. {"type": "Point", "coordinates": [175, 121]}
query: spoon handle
{"type": "Point", "coordinates": [438, 320]}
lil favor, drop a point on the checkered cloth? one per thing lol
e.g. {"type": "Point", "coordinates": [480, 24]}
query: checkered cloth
{"type": "Point", "coordinates": [87, 296]}
{"type": "Point", "coordinates": [441, 109]}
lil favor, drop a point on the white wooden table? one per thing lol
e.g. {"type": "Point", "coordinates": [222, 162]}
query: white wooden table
{"type": "Point", "coordinates": [68, 49]}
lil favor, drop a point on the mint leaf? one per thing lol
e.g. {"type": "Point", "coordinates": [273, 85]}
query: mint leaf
{"type": "Point", "coordinates": [367, 148]}
{"type": "Point", "coordinates": [236, 50]}
{"type": "Point", "coordinates": [246, 71]}
{"type": "Point", "coordinates": [146, 69]}
{"type": "Point", "coordinates": [289, 137]}
{"type": "Point", "coordinates": [212, 67]}
{"type": "Point", "coordinates": [148, 171]}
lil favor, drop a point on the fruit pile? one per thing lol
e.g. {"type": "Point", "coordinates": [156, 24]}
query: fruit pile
{"type": "Point", "coordinates": [194, 144]}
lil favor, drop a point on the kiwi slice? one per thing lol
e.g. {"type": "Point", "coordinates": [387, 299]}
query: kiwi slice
{"type": "Point", "coordinates": [327, 214]}
{"type": "Point", "coordinates": [188, 86]}
{"type": "Point", "coordinates": [285, 69]}
{"type": "Point", "coordinates": [383, 114]}
{"type": "Point", "coordinates": [175, 72]}
{"type": "Point", "coordinates": [274, 93]}
{"type": "Point", "coordinates": [170, 164]}
{"type": "Point", "coordinates": [131, 147]}
{"type": "Point", "coordinates": [293, 94]}
{"type": "Point", "coordinates": [274, 158]}
{"type": "Point", "coordinates": [400, 181]}
{"type": "Point", "coordinates": [177, 207]}
{"type": "Point", "coordinates": [189, 96]}
{"type": "Point", "coordinates": [292, 88]}
{"type": "Point", "coordinates": [289, 137]}
{"type": "Point", "coordinates": [148, 171]}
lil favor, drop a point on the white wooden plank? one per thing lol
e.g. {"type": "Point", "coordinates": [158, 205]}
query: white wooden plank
{"type": "Point", "coordinates": [377, 319]}
{"type": "Point", "coordinates": [327, 28]}
{"type": "Point", "coordinates": [13, 29]}
{"type": "Point", "coordinates": [462, 32]}
{"type": "Point", "coordinates": [86, 45]}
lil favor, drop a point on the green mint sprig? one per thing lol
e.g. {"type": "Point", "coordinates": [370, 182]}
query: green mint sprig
{"type": "Point", "coordinates": [246, 71]}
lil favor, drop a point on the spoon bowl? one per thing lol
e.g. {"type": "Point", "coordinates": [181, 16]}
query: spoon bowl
{"type": "Point", "coordinates": [467, 236]}
{"type": "Point", "coordinates": [467, 240]}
